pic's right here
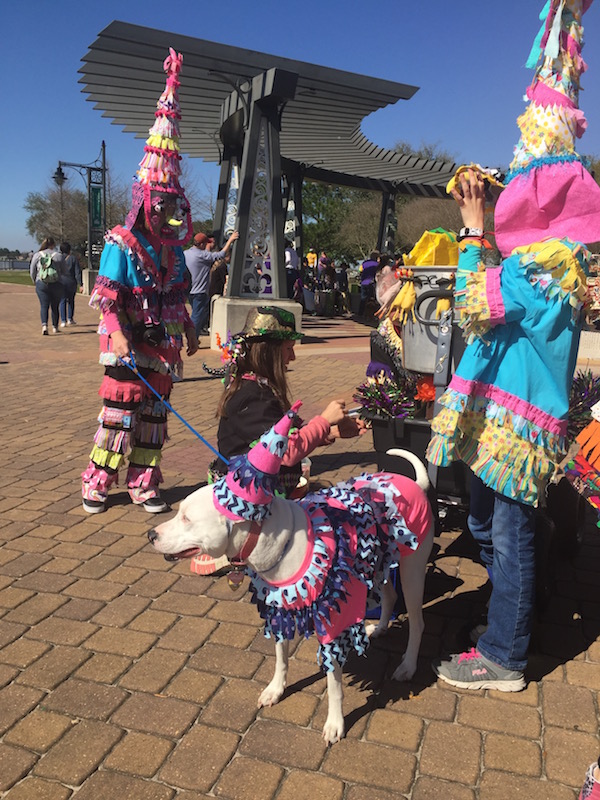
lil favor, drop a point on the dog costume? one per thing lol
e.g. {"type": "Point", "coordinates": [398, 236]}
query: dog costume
{"type": "Point", "coordinates": [357, 531]}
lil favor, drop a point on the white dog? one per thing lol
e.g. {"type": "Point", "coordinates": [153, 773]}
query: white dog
{"type": "Point", "coordinates": [393, 517]}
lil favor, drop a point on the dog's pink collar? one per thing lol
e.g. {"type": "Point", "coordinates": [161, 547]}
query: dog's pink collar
{"type": "Point", "coordinates": [249, 545]}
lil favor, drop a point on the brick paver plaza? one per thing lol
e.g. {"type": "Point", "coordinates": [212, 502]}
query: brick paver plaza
{"type": "Point", "coordinates": [124, 676]}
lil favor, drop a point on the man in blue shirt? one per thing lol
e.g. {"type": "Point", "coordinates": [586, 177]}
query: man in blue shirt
{"type": "Point", "coordinates": [199, 259]}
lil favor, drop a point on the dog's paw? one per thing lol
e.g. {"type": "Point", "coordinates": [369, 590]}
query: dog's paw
{"type": "Point", "coordinates": [333, 730]}
{"type": "Point", "coordinates": [404, 671]}
{"type": "Point", "coordinates": [375, 631]}
{"type": "Point", "coordinates": [271, 695]}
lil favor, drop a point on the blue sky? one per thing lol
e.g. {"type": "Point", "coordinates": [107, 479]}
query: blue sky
{"type": "Point", "coordinates": [466, 56]}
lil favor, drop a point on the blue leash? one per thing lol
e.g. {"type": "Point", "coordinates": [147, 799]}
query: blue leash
{"type": "Point", "coordinates": [133, 367]}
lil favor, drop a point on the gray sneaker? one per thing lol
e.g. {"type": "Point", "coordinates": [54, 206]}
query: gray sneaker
{"type": "Point", "coordinates": [473, 671]}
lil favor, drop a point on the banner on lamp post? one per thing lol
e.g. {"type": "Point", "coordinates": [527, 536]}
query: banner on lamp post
{"type": "Point", "coordinates": [96, 207]}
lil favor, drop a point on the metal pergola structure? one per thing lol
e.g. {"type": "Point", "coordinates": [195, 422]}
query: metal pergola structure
{"type": "Point", "coordinates": [270, 122]}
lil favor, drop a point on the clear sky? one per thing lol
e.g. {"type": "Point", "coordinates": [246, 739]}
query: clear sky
{"type": "Point", "coordinates": [466, 56]}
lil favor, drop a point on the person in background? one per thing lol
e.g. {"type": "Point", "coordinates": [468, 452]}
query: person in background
{"type": "Point", "coordinates": [198, 260]}
{"type": "Point", "coordinates": [368, 269]}
{"type": "Point", "coordinates": [71, 282]}
{"type": "Point", "coordinates": [47, 269]}
{"type": "Point", "coordinates": [291, 267]}
{"type": "Point", "coordinates": [340, 285]}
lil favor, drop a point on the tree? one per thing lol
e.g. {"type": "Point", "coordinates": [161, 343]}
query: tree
{"type": "Point", "coordinates": [360, 227]}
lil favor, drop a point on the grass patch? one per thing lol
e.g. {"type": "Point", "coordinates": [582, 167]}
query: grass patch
{"type": "Point", "coordinates": [20, 276]}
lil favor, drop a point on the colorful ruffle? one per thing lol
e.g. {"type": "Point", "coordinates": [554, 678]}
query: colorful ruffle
{"type": "Point", "coordinates": [346, 549]}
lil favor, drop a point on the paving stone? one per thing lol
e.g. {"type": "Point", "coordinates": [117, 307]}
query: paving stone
{"type": "Point", "coordinates": [44, 582]}
{"type": "Point", "coordinates": [233, 635]}
{"type": "Point", "coordinates": [81, 552]}
{"type": "Point", "coordinates": [38, 789]}
{"type": "Point", "coordinates": [199, 758]}
{"type": "Point", "coordinates": [186, 606]}
{"type": "Point", "coordinates": [29, 562]}
{"type": "Point", "coordinates": [121, 611]}
{"type": "Point", "coordinates": [431, 789]}
{"type": "Point", "coordinates": [62, 631]}
{"type": "Point", "coordinates": [97, 567]}
{"type": "Point", "coordinates": [125, 547]}
{"type": "Point", "coordinates": [299, 783]}
{"type": "Point", "coordinates": [107, 784]}
{"type": "Point", "coordinates": [580, 673]}
{"type": "Point", "coordinates": [302, 676]}
{"type": "Point", "coordinates": [139, 754]}
{"type": "Point", "coordinates": [451, 752]}
{"type": "Point", "coordinates": [103, 667]}
{"type": "Point", "coordinates": [124, 574]}
{"type": "Point", "coordinates": [121, 642]}
{"type": "Point", "coordinates": [164, 716]}
{"type": "Point", "coordinates": [39, 730]}
{"type": "Point", "coordinates": [60, 566]}
{"type": "Point", "coordinates": [287, 745]}
{"type": "Point", "coordinates": [152, 621]}
{"type": "Point", "coordinates": [153, 671]}
{"type": "Point", "coordinates": [22, 652]}
{"type": "Point", "coordinates": [79, 752]}
{"type": "Point", "coordinates": [15, 763]}
{"type": "Point", "coordinates": [16, 701]}
{"type": "Point", "coordinates": [298, 708]}
{"type": "Point", "coordinates": [582, 749]}
{"type": "Point", "coordinates": [11, 597]}
{"type": "Point", "coordinates": [95, 590]}
{"type": "Point", "coordinates": [234, 706]}
{"type": "Point", "coordinates": [7, 674]}
{"type": "Point", "coordinates": [571, 707]}
{"type": "Point", "coordinates": [503, 785]}
{"type": "Point", "coordinates": [36, 609]}
{"type": "Point", "coordinates": [248, 779]}
{"type": "Point", "coordinates": [186, 635]}
{"type": "Point", "coordinates": [394, 729]}
{"type": "Point", "coordinates": [79, 609]}
{"type": "Point", "coordinates": [84, 699]}
{"type": "Point", "coordinates": [153, 584]}
{"type": "Point", "coordinates": [239, 612]}
{"type": "Point", "coordinates": [225, 661]}
{"type": "Point", "coordinates": [372, 764]}
{"type": "Point", "coordinates": [512, 754]}
{"type": "Point", "coordinates": [189, 684]}
{"type": "Point", "coordinates": [192, 584]}
{"type": "Point", "coordinates": [489, 714]}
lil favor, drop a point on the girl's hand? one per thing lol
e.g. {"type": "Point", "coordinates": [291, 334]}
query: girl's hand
{"type": "Point", "coordinates": [335, 412]}
{"type": "Point", "coordinates": [348, 428]}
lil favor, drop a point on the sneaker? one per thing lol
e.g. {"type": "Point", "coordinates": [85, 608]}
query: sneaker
{"type": "Point", "coordinates": [44, 330]}
{"type": "Point", "coordinates": [62, 324]}
{"type": "Point", "coordinates": [473, 671]}
{"type": "Point", "coordinates": [590, 782]}
{"type": "Point", "coordinates": [54, 330]}
{"type": "Point", "coordinates": [93, 506]}
{"type": "Point", "coordinates": [154, 505]}
{"type": "Point", "coordinates": [71, 322]}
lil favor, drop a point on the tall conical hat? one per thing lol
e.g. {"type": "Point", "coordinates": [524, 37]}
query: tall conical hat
{"type": "Point", "coordinates": [160, 170]}
{"type": "Point", "coordinates": [247, 490]}
{"type": "Point", "coordinates": [550, 193]}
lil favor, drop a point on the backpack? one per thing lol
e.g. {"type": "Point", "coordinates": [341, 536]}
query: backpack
{"type": "Point", "coordinates": [47, 271]}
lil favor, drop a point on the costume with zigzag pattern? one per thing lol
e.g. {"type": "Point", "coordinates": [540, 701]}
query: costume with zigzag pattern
{"type": "Point", "coordinates": [356, 531]}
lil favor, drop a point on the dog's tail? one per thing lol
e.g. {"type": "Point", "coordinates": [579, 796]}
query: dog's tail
{"type": "Point", "coordinates": [421, 477]}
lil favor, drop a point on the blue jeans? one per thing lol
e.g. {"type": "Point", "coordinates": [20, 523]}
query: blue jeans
{"type": "Point", "coordinates": [67, 304]}
{"type": "Point", "coordinates": [49, 295]}
{"type": "Point", "coordinates": [505, 532]}
{"type": "Point", "coordinates": [200, 310]}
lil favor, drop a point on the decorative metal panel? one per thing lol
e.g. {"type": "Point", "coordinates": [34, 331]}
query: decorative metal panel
{"type": "Point", "coordinates": [257, 274]}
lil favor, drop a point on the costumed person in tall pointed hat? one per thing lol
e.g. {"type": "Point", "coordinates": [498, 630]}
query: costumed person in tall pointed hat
{"type": "Point", "coordinates": [140, 292]}
{"type": "Point", "coordinates": [505, 410]}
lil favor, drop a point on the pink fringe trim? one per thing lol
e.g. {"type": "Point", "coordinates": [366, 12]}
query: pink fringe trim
{"type": "Point", "coordinates": [144, 478]}
{"type": "Point", "coordinates": [96, 482]}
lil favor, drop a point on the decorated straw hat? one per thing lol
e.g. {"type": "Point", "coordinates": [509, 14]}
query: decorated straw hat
{"type": "Point", "coordinates": [160, 169]}
{"type": "Point", "coordinates": [246, 492]}
{"type": "Point", "coordinates": [269, 322]}
{"type": "Point", "coordinates": [549, 191]}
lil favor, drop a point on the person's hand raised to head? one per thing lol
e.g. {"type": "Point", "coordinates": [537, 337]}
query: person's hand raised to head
{"type": "Point", "coordinates": [335, 412]}
{"type": "Point", "coordinates": [471, 198]}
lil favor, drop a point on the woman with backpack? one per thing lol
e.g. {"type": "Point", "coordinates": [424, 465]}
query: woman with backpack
{"type": "Point", "coordinates": [47, 269]}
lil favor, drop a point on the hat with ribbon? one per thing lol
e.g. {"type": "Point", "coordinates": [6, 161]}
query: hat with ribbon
{"type": "Point", "coordinates": [246, 492]}
{"type": "Point", "coordinates": [157, 187]}
{"type": "Point", "coordinates": [549, 191]}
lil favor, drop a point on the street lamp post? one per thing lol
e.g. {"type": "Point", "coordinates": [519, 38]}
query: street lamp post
{"type": "Point", "coordinates": [95, 175]}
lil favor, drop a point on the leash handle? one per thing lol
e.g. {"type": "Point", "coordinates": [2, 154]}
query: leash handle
{"type": "Point", "coordinates": [133, 367]}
